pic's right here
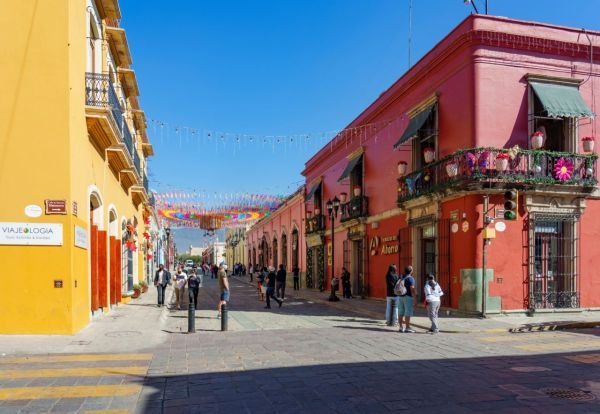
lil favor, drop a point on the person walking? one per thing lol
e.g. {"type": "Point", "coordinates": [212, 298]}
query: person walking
{"type": "Point", "coordinates": [180, 281]}
{"type": "Point", "coordinates": [346, 291]}
{"type": "Point", "coordinates": [260, 281]}
{"type": "Point", "coordinates": [193, 283]}
{"type": "Point", "coordinates": [296, 273]}
{"type": "Point", "coordinates": [281, 281]}
{"type": "Point", "coordinates": [250, 272]}
{"type": "Point", "coordinates": [162, 278]}
{"type": "Point", "coordinates": [392, 300]}
{"type": "Point", "coordinates": [224, 286]}
{"type": "Point", "coordinates": [433, 293]}
{"type": "Point", "coordinates": [270, 280]}
{"type": "Point", "coordinates": [407, 303]}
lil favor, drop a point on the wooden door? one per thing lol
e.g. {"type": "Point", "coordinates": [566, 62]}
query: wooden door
{"type": "Point", "coordinates": [102, 271]}
{"type": "Point", "coordinates": [94, 267]}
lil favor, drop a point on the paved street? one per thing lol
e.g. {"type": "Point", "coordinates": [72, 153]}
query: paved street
{"type": "Point", "coordinates": [308, 356]}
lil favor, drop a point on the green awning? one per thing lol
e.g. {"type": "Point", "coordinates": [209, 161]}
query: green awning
{"type": "Point", "coordinates": [414, 126]}
{"type": "Point", "coordinates": [561, 101]}
{"type": "Point", "coordinates": [351, 164]}
{"type": "Point", "coordinates": [313, 190]}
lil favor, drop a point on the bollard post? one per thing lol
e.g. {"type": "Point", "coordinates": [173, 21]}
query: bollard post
{"type": "Point", "coordinates": [224, 317]}
{"type": "Point", "coordinates": [191, 317]}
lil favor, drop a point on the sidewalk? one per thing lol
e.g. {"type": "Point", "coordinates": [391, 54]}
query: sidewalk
{"type": "Point", "coordinates": [453, 321]}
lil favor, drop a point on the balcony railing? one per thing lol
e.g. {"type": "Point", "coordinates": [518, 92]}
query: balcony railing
{"type": "Point", "coordinates": [315, 224]}
{"type": "Point", "coordinates": [357, 207]}
{"type": "Point", "coordinates": [147, 185]}
{"type": "Point", "coordinates": [472, 168]}
{"type": "Point", "coordinates": [100, 92]}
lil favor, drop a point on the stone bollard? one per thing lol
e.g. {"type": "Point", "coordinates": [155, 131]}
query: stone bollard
{"type": "Point", "coordinates": [191, 318]}
{"type": "Point", "coordinates": [224, 317]}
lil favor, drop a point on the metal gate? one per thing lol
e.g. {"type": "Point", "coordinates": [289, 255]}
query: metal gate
{"type": "Point", "coordinates": [443, 260]}
{"type": "Point", "coordinates": [553, 262]}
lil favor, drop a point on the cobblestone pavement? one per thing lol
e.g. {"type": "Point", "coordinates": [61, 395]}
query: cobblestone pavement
{"type": "Point", "coordinates": [307, 356]}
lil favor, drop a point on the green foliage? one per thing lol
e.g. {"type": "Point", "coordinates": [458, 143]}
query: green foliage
{"type": "Point", "coordinates": [136, 287]}
{"type": "Point", "coordinates": [183, 257]}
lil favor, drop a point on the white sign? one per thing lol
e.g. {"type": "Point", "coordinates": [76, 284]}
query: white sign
{"type": "Point", "coordinates": [500, 226]}
{"type": "Point", "coordinates": [34, 234]}
{"type": "Point", "coordinates": [33, 210]}
{"type": "Point", "coordinates": [81, 237]}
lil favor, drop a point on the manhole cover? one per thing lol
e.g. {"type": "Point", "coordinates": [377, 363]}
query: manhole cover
{"type": "Point", "coordinates": [571, 394]}
{"type": "Point", "coordinates": [121, 334]}
{"type": "Point", "coordinates": [530, 369]}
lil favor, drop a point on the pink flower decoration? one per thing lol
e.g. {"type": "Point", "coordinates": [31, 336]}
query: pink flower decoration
{"type": "Point", "coordinates": [563, 169]}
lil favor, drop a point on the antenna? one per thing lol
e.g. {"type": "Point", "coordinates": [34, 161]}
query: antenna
{"type": "Point", "coordinates": [409, 31]}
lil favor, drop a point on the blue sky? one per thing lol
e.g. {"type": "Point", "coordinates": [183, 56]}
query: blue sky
{"type": "Point", "coordinates": [279, 68]}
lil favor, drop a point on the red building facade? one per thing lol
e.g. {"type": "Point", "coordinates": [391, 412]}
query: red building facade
{"type": "Point", "coordinates": [279, 238]}
{"type": "Point", "coordinates": [422, 173]}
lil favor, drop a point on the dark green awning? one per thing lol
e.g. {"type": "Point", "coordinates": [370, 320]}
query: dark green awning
{"type": "Point", "coordinates": [313, 190]}
{"type": "Point", "coordinates": [561, 101]}
{"type": "Point", "coordinates": [414, 126]}
{"type": "Point", "coordinates": [351, 164]}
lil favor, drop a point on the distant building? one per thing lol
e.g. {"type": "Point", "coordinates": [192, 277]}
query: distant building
{"type": "Point", "coordinates": [195, 251]}
{"type": "Point", "coordinates": [214, 253]}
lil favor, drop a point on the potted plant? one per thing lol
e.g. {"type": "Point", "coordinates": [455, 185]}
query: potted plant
{"type": "Point", "coordinates": [537, 140]}
{"type": "Point", "coordinates": [137, 289]}
{"type": "Point", "coordinates": [343, 197]}
{"type": "Point", "coordinates": [588, 143]}
{"type": "Point", "coordinates": [144, 286]}
{"type": "Point", "coordinates": [402, 168]}
{"type": "Point", "coordinates": [357, 190]}
{"type": "Point", "coordinates": [502, 161]}
{"type": "Point", "coordinates": [428, 154]}
{"type": "Point", "coordinates": [452, 168]}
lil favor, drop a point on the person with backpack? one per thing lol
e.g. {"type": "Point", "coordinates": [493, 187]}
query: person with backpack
{"type": "Point", "coordinates": [433, 292]}
{"type": "Point", "coordinates": [405, 289]}
{"type": "Point", "coordinates": [270, 281]}
{"type": "Point", "coordinates": [391, 308]}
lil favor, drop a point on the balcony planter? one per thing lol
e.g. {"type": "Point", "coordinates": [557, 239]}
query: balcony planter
{"type": "Point", "coordinates": [357, 191]}
{"type": "Point", "coordinates": [537, 140]}
{"type": "Point", "coordinates": [428, 154]}
{"type": "Point", "coordinates": [588, 144]}
{"type": "Point", "coordinates": [343, 197]}
{"type": "Point", "coordinates": [402, 168]}
{"type": "Point", "coordinates": [452, 169]}
{"type": "Point", "coordinates": [502, 162]}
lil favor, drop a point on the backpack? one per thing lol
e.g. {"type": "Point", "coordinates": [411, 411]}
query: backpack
{"type": "Point", "coordinates": [400, 288]}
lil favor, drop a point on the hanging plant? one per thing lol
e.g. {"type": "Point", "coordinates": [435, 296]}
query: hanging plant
{"type": "Point", "coordinates": [147, 221]}
{"type": "Point", "coordinates": [402, 167]}
{"type": "Point", "coordinates": [537, 140]}
{"type": "Point", "coordinates": [130, 245]}
{"type": "Point", "coordinates": [146, 235]}
{"type": "Point", "coordinates": [563, 169]}
{"type": "Point", "coordinates": [588, 143]}
{"type": "Point", "coordinates": [502, 161]}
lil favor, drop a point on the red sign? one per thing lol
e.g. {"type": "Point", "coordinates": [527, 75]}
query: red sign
{"type": "Point", "coordinates": [56, 206]}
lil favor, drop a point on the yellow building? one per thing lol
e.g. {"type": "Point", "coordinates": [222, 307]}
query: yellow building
{"type": "Point", "coordinates": [235, 247]}
{"type": "Point", "coordinates": [73, 150]}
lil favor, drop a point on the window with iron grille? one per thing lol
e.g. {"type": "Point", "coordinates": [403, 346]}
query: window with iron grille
{"type": "Point", "coordinates": [553, 262]}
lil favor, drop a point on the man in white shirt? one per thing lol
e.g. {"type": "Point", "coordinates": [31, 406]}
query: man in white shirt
{"type": "Point", "coordinates": [180, 282]}
{"type": "Point", "coordinates": [162, 278]}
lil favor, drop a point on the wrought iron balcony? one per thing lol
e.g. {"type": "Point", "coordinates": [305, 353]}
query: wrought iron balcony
{"type": "Point", "coordinates": [147, 186]}
{"type": "Point", "coordinates": [315, 224]}
{"type": "Point", "coordinates": [357, 207]}
{"type": "Point", "coordinates": [137, 163]}
{"type": "Point", "coordinates": [470, 169]}
{"type": "Point", "coordinates": [100, 92]}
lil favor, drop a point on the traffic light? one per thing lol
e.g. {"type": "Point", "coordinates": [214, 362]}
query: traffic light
{"type": "Point", "coordinates": [511, 205]}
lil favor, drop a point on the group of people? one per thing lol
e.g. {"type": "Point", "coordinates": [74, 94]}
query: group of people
{"type": "Point", "coordinates": [270, 284]}
{"type": "Point", "coordinates": [181, 279]}
{"type": "Point", "coordinates": [400, 300]}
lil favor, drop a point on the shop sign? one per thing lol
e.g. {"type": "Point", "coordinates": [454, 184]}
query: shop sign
{"type": "Point", "coordinates": [56, 206]}
{"type": "Point", "coordinates": [33, 210]}
{"type": "Point", "coordinates": [81, 237]}
{"type": "Point", "coordinates": [454, 216]}
{"type": "Point", "coordinates": [32, 234]}
{"type": "Point", "coordinates": [385, 243]}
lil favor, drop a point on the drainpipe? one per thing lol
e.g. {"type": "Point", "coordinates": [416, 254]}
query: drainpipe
{"type": "Point", "coordinates": [486, 200]}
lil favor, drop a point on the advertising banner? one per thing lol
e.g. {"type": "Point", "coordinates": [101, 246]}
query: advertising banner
{"type": "Point", "coordinates": [31, 234]}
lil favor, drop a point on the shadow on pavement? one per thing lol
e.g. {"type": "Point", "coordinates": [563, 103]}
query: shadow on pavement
{"type": "Point", "coordinates": [549, 383]}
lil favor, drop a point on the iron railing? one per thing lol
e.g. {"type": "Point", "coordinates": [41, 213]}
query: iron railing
{"type": "Point", "coordinates": [128, 141]}
{"type": "Point", "coordinates": [486, 165]}
{"type": "Point", "coordinates": [147, 186]}
{"type": "Point", "coordinates": [137, 163]}
{"type": "Point", "coordinates": [357, 207]}
{"type": "Point", "coordinates": [315, 224]}
{"type": "Point", "coordinates": [100, 92]}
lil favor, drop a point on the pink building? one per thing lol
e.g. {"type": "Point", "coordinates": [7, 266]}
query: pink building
{"type": "Point", "coordinates": [422, 173]}
{"type": "Point", "coordinates": [279, 238]}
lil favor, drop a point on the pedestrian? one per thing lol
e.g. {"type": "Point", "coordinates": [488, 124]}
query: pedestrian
{"type": "Point", "coordinates": [193, 283]}
{"type": "Point", "coordinates": [224, 286]}
{"type": "Point", "coordinates": [433, 292]}
{"type": "Point", "coordinates": [162, 278]}
{"type": "Point", "coordinates": [180, 281]}
{"type": "Point", "coordinates": [346, 291]}
{"type": "Point", "coordinates": [260, 280]}
{"type": "Point", "coordinates": [250, 272]}
{"type": "Point", "coordinates": [407, 303]}
{"type": "Point", "coordinates": [296, 272]}
{"type": "Point", "coordinates": [281, 280]}
{"type": "Point", "coordinates": [391, 308]}
{"type": "Point", "coordinates": [270, 280]}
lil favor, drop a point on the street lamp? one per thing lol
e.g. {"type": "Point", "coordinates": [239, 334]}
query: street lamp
{"type": "Point", "coordinates": [332, 208]}
{"type": "Point", "coordinates": [472, 2]}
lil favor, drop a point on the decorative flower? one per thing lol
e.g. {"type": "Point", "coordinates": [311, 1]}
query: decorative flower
{"type": "Point", "coordinates": [502, 156]}
{"type": "Point", "coordinates": [563, 169]}
{"type": "Point", "coordinates": [588, 139]}
{"type": "Point", "coordinates": [131, 246]}
{"type": "Point", "coordinates": [402, 162]}
{"type": "Point", "coordinates": [146, 235]}
{"type": "Point", "coordinates": [146, 221]}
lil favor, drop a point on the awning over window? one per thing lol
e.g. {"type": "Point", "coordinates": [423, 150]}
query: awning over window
{"type": "Point", "coordinates": [313, 190]}
{"type": "Point", "coordinates": [414, 126]}
{"type": "Point", "coordinates": [351, 164]}
{"type": "Point", "coordinates": [561, 101]}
